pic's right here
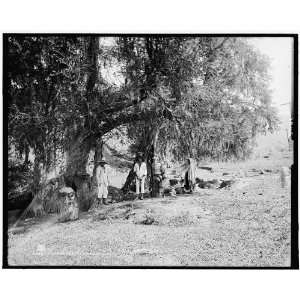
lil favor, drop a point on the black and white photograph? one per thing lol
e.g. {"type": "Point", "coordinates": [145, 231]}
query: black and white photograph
{"type": "Point", "coordinates": [150, 150]}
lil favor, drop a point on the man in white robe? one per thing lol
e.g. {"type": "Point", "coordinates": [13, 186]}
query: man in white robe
{"type": "Point", "coordinates": [102, 181]}
{"type": "Point", "coordinates": [140, 170]}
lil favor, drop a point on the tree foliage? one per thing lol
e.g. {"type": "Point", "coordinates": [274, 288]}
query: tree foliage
{"type": "Point", "coordinates": [197, 96]}
{"type": "Point", "coordinates": [224, 104]}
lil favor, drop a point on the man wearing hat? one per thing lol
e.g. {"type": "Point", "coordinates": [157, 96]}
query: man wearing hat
{"type": "Point", "coordinates": [102, 181]}
{"type": "Point", "coordinates": [140, 170]}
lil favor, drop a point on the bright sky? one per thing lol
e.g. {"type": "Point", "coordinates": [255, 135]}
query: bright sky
{"type": "Point", "coordinates": [280, 51]}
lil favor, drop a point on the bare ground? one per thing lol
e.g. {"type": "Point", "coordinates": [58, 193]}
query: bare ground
{"type": "Point", "coordinates": [246, 225]}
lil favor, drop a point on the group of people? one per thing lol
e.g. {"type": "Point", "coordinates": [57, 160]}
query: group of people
{"type": "Point", "coordinates": [140, 173]}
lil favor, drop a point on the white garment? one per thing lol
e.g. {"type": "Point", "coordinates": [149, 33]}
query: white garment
{"type": "Point", "coordinates": [140, 183]}
{"type": "Point", "coordinates": [140, 170]}
{"type": "Point", "coordinates": [102, 191]}
{"type": "Point", "coordinates": [141, 173]}
{"type": "Point", "coordinates": [102, 181]}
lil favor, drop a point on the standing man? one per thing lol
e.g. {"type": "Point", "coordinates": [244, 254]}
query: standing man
{"type": "Point", "coordinates": [102, 181]}
{"type": "Point", "coordinates": [189, 175]}
{"type": "Point", "coordinates": [140, 170]}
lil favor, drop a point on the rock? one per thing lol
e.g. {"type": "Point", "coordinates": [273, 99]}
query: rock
{"type": "Point", "coordinates": [226, 183]}
{"type": "Point", "coordinates": [209, 185]}
{"type": "Point", "coordinates": [225, 173]}
{"type": "Point", "coordinates": [174, 181]}
{"type": "Point", "coordinates": [214, 181]}
{"type": "Point", "coordinates": [129, 214]}
{"type": "Point", "coordinates": [197, 189]}
{"type": "Point", "coordinates": [179, 190]}
{"type": "Point", "coordinates": [145, 218]}
{"type": "Point", "coordinates": [206, 168]}
{"type": "Point", "coordinates": [100, 217]}
{"type": "Point", "coordinates": [69, 213]}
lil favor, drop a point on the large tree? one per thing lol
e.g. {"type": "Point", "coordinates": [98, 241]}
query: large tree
{"type": "Point", "coordinates": [214, 93]}
{"type": "Point", "coordinates": [183, 91]}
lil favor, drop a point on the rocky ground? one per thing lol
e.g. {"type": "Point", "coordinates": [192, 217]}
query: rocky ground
{"type": "Point", "coordinates": [247, 224]}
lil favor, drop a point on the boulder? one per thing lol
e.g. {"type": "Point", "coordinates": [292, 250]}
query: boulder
{"type": "Point", "coordinates": [226, 183]}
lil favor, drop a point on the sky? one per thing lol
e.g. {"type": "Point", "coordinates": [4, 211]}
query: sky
{"type": "Point", "coordinates": [280, 52]}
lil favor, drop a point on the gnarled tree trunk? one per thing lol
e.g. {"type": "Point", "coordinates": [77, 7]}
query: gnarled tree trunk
{"type": "Point", "coordinates": [76, 175]}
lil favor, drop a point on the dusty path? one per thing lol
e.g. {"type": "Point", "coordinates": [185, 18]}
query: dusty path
{"type": "Point", "coordinates": [247, 226]}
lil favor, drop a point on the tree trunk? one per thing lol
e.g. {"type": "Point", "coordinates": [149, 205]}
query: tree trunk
{"type": "Point", "coordinates": [76, 175]}
{"type": "Point", "coordinates": [78, 152]}
{"type": "Point", "coordinates": [148, 150]}
{"type": "Point", "coordinates": [98, 156]}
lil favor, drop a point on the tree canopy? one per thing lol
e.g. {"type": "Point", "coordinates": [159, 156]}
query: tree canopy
{"type": "Point", "coordinates": [197, 96]}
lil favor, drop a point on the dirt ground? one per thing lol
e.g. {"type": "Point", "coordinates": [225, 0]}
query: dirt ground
{"type": "Point", "coordinates": [245, 225]}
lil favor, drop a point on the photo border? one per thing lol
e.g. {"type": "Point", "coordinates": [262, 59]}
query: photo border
{"type": "Point", "coordinates": [294, 135]}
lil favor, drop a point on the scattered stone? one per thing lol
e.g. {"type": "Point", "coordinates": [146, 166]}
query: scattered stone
{"type": "Point", "coordinates": [226, 184]}
{"type": "Point", "coordinates": [144, 219]}
{"type": "Point", "coordinates": [209, 184]}
{"type": "Point", "coordinates": [100, 217]}
{"type": "Point", "coordinates": [179, 190]}
{"type": "Point", "coordinates": [129, 213]}
{"type": "Point", "coordinates": [206, 168]}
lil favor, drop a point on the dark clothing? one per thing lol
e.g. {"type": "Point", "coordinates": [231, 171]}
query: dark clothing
{"type": "Point", "coordinates": [187, 185]}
